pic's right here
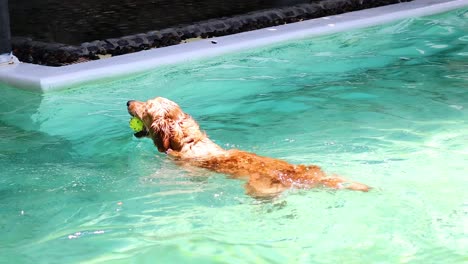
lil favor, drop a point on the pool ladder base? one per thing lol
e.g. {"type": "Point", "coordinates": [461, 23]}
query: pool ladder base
{"type": "Point", "coordinates": [8, 59]}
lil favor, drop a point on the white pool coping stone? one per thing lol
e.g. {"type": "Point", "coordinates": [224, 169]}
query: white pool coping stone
{"type": "Point", "coordinates": [45, 78]}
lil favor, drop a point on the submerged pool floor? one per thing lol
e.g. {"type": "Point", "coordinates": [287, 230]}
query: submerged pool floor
{"type": "Point", "coordinates": [387, 106]}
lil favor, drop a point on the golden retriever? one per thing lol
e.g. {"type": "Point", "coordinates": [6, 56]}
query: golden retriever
{"type": "Point", "coordinates": [178, 135]}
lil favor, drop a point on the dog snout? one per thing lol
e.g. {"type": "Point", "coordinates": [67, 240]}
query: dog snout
{"type": "Point", "coordinates": [130, 102]}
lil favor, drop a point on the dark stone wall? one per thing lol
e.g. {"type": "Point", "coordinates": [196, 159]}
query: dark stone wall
{"type": "Point", "coordinates": [37, 43]}
{"type": "Point", "coordinates": [5, 38]}
{"type": "Point", "coordinates": [77, 21]}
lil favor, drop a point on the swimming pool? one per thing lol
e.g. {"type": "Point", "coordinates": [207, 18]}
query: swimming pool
{"type": "Point", "coordinates": [386, 106]}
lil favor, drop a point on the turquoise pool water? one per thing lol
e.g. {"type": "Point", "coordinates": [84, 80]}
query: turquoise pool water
{"type": "Point", "coordinates": [387, 106]}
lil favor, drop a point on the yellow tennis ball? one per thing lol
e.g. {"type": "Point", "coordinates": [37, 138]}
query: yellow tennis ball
{"type": "Point", "coordinates": [136, 124]}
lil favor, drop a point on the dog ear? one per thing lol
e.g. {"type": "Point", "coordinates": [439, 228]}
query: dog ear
{"type": "Point", "coordinates": [177, 135]}
{"type": "Point", "coordinates": [162, 130]}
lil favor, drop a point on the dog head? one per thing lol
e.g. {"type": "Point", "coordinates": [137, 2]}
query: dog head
{"type": "Point", "coordinates": [165, 123]}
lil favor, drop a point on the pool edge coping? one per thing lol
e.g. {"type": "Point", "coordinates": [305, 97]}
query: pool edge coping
{"type": "Point", "coordinates": [46, 78]}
